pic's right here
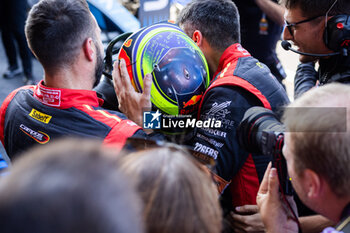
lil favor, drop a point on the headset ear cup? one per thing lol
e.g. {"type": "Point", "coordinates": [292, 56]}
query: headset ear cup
{"type": "Point", "coordinates": [337, 33]}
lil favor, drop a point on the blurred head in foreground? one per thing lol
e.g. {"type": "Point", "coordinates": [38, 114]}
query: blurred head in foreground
{"type": "Point", "coordinates": [317, 148]}
{"type": "Point", "coordinates": [69, 186]}
{"type": "Point", "coordinates": [178, 195]}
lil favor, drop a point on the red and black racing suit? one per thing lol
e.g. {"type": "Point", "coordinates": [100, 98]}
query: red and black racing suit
{"type": "Point", "coordinates": [37, 114]}
{"type": "Point", "coordinates": [240, 82]}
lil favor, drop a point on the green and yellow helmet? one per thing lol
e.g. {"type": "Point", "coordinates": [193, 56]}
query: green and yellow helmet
{"type": "Point", "coordinates": [179, 69]}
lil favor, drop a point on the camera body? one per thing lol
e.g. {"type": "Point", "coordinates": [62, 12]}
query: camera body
{"type": "Point", "coordinates": [272, 144]}
{"type": "Point", "coordinates": [261, 132]}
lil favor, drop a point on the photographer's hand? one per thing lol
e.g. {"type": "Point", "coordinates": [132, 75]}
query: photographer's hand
{"type": "Point", "coordinates": [247, 219]}
{"type": "Point", "coordinates": [305, 78]}
{"type": "Point", "coordinates": [273, 212]}
{"type": "Point", "coordinates": [131, 103]}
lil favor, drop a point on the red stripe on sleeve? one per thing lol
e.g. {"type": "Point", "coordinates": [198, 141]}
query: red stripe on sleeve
{"type": "Point", "coordinates": [3, 109]}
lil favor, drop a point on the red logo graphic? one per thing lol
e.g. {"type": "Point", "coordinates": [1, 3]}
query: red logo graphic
{"type": "Point", "coordinates": [192, 101]}
{"type": "Point", "coordinates": [49, 97]}
{"type": "Point", "coordinates": [128, 43]}
{"type": "Point", "coordinates": [345, 43]}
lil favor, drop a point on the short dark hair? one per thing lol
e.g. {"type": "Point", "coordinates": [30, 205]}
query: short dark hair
{"type": "Point", "coordinates": [217, 20]}
{"type": "Point", "coordinates": [56, 29]}
{"type": "Point", "coordinates": [70, 186]}
{"type": "Point", "coordinates": [312, 8]}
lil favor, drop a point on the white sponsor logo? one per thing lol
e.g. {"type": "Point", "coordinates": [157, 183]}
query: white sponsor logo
{"type": "Point", "coordinates": [219, 112]}
{"type": "Point", "coordinates": [210, 140]}
{"type": "Point", "coordinates": [206, 150]}
{"type": "Point", "coordinates": [219, 109]}
{"type": "Point", "coordinates": [216, 132]}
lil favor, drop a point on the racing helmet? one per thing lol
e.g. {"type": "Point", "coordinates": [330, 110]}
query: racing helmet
{"type": "Point", "coordinates": [180, 73]}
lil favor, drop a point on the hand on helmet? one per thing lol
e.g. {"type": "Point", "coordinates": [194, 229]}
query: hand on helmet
{"type": "Point", "coordinates": [131, 103]}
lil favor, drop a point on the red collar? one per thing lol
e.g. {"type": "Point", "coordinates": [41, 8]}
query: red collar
{"type": "Point", "coordinates": [65, 98]}
{"type": "Point", "coordinates": [232, 53]}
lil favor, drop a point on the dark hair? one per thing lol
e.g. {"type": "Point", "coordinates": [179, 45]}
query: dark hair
{"type": "Point", "coordinates": [178, 195]}
{"type": "Point", "coordinates": [217, 20]}
{"type": "Point", "coordinates": [72, 186]}
{"type": "Point", "coordinates": [310, 8]}
{"type": "Point", "coordinates": [56, 29]}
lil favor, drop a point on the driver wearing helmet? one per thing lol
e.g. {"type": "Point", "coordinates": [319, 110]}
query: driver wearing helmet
{"type": "Point", "coordinates": [161, 50]}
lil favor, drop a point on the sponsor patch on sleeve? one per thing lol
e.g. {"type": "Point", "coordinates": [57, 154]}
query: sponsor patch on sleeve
{"type": "Point", "coordinates": [42, 117]}
{"type": "Point", "coordinates": [38, 136]}
{"type": "Point", "coordinates": [206, 150]}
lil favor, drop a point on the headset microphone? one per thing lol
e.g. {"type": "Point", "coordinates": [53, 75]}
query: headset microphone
{"type": "Point", "coordinates": [287, 46]}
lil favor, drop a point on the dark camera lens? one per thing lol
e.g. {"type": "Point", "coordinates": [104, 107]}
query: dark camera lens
{"type": "Point", "coordinates": [260, 132]}
{"type": "Point", "coordinates": [255, 121]}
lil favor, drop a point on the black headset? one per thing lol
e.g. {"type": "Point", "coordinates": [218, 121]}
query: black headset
{"type": "Point", "coordinates": [336, 37]}
{"type": "Point", "coordinates": [337, 33]}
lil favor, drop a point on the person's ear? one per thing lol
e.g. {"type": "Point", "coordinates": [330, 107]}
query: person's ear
{"type": "Point", "coordinates": [313, 183]}
{"type": "Point", "coordinates": [88, 48]}
{"type": "Point", "coordinates": [197, 37]}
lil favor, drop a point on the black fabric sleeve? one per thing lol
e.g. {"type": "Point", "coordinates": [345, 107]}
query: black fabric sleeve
{"type": "Point", "coordinates": [155, 136]}
{"type": "Point", "coordinates": [228, 105]}
{"type": "Point", "coordinates": [305, 78]}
